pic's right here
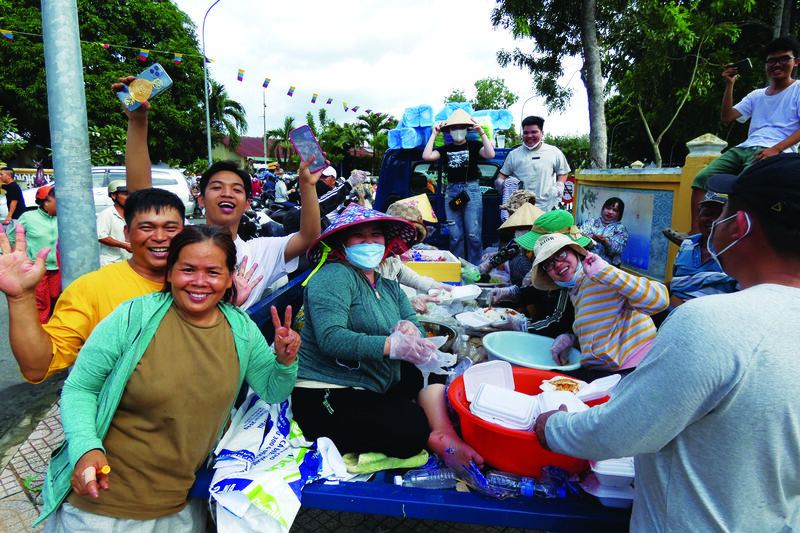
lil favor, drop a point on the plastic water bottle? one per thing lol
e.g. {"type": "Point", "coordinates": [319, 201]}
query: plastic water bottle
{"type": "Point", "coordinates": [523, 485]}
{"type": "Point", "coordinates": [427, 478]}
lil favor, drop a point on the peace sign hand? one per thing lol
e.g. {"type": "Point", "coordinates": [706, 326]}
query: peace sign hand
{"type": "Point", "coordinates": [287, 341]}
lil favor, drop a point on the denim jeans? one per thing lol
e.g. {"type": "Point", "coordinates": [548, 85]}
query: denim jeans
{"type": "Point", "coordinates": [465, 224]}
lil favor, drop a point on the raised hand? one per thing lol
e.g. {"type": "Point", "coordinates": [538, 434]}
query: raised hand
{"type": "Point", "coordinates": [309, 178]}
{"type": "Point", "coordinates": [287, 341]}
{"type": "Point", "coordinates": [140, 113]}
{"type": "Point", "coordinates": [244, 281]}
{"type": "Point", "coordinates": [19, 276]}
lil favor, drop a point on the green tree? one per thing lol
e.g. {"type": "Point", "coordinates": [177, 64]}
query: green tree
{"type": "Point", "coordinates": [10, 141]}
{"type": "Point", "coordinates": [456, 96]}
{"type": "Point", "coordinates": [280, 137]}
{"type": "Point", "coordinates": [492, 93]}
{"type": "Point", "coordinates": [107, 145]}
{"type": "Point", "coordinates": [228, 117]}
{"type": "Point", "coordinates": [373, 125]}
{"type": "Point", "coordinates": [575, 149]}
{"type": "Point", "coordinates": [177, 119]}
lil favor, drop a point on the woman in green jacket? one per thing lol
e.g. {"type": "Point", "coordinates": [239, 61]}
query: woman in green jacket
{"type": "Point", "coordinates": [151, 391]}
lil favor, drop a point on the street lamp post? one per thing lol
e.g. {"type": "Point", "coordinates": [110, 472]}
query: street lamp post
{"type": "Point", "coordinates": [265, 127]}
{"type": "Point", "coordinates": [205, 83]}
{"type": "Point", "coordinates": [522, 110]}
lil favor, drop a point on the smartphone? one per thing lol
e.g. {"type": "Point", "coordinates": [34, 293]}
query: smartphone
{"type": "Point", "coordinates": [743, 66]}
{"type": "Point", "coordinates": [306, 145]}
{"type": "Point", "coordinates": [146, 86]}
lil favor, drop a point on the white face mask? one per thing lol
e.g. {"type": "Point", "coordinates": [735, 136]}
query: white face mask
{"type": "Point", "coordinates": [710, 242]}
{"type": "Point", "coordinates": [534, 147]}
{"type": "Point", "coordinates": [458, 135]}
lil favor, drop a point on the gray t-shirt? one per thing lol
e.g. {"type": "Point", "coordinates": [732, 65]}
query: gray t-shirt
{"type": "Point", "coordinates": [712, 416]}
{"type": "Point", "coordinates": [537, 170]}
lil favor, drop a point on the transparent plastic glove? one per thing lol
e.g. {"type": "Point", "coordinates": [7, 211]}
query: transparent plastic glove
{"type": "Point", "coordinates": [527, 279]}
{"type": "Point", "coordinates": [485, 267]}
{"type": "Point", "coordinates": [438, 285]}
{"type": "Point", "coordinates": [561, 347]}
{"type": "Point", "coordinates": [503, 294]}
{"type": "Point", "coordinates": [557, 189]}
{"type": "Point", "coordinates": [406, 327]}
{"type": "Point", "coordinates": [593, 264]}
{"type": "Point", "coordinates": [356, 178]}
{"type": "Point", "coordinates": [412, 349]}
{"type": "Point", "coordinates": [438, 364]}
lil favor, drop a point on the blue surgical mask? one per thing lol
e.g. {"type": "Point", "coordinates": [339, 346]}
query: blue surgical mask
{"type": "Point", "coordinates": [366, 256]}
{"type": "Point", "coordinates": [571, 283]}
{"type": "Point", "coordinates": [710, 242]}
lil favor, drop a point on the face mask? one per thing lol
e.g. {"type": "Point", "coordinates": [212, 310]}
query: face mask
{"type": "Point", "coordinates": [534, 147]}
{"type": "Point", "coordinates": [571, 283]}
{"type": "Point", "coordinates": [710, 242]}
{"type": "Point", "coordinates": [458, 135]}
{"type": "Point", "coordinates": [365, 256]}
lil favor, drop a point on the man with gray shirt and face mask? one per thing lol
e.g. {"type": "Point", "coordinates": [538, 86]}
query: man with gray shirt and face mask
{"type": "Point", "coordinates": [542, 168]}
{"type": "Point", "coordinates": [463, 202]}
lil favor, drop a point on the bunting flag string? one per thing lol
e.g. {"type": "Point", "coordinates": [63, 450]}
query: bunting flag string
{"type": "Point", "coordinates": [177, 57]}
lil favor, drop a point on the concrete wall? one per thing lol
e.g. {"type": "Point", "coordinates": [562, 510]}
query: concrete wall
{"type": "Point", "coordinates": [655, 198]}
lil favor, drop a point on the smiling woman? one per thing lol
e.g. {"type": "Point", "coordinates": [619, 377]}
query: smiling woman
{"type": "Point", "coordinates": [150, 392]}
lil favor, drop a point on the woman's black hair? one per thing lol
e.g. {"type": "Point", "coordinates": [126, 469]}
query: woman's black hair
{"type": "Point", "coordinates": [620, 206]}
{"type": "Point", "coordinates": [218, 235]}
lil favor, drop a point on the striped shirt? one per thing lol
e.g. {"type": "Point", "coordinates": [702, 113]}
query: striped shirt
{"type": "Point", "coordinates": [612, 315]}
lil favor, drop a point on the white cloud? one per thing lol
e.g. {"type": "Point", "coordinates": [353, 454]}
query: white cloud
{"type": "Point", "coordinates": [385, 56]}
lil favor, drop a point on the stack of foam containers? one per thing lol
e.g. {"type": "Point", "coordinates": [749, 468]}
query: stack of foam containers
{"type": "Point", "coordinates": [610, 482]}
{"type": "Point", "coordinates": [414, 129]}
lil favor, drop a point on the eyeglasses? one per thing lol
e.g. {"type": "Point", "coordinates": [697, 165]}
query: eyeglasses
{"type": "Point", "coordinates": [551, 263]}
{"type": "Point", "coordinates": [783, 60]}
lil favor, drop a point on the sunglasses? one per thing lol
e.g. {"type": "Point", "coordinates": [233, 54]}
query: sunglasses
{"type": "Point", "coordinates": [783, 60]}
{"type": "Point", "coordinates": [551, 263]}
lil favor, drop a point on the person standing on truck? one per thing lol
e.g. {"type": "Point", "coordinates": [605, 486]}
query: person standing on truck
{"type": "Point", "coordinates": [463, 203]}
{"type": "Point", "coordinates": [541, 167]}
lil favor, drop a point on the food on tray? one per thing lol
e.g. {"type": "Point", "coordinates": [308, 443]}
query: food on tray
{"type": "Point", "coordinates": [562, 383]}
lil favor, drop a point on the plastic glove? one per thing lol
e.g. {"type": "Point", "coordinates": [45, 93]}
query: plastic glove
{"type": "Point", "coordinates": [412, 349]}
{"type": "Point", "coordinates": [527, 279]}
{"type": "Point", "coordinates": [561, 347]}
{"type": "Point", "coordinates": [557, 189]}
{"type": "Point", "coordinates": [406, 327]}
{"type": "Point", "coordinates": [438, 285]}
{"type": "Point", "coordinates": [593, 264]}
{"type": "Point", "coordinates": [485, 267]}
{"type": "Point", "coordinates": [356, 178]}
{"type": "Point", "coordinates": [501, 294]}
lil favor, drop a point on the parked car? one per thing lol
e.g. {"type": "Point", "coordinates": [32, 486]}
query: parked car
{"type": "Point", "coordinates": [169, 179]}
{"type": "Point", "coordinates": [404, 173]}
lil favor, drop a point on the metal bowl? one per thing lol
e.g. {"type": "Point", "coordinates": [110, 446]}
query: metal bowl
{"type": "Point", "coordinates": [436, 329]}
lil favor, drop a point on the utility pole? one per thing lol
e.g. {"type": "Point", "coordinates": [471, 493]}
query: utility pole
{"type": "Point", "coordinates": [265, 126]}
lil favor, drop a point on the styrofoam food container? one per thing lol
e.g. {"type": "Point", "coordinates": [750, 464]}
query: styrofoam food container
{"type": "Point", "coordinates": [619, 497]}
{"type": "Point", "coordinates": [508, 408]}
{"type": "Point", "coordinates": [614, 472]}
{"type": "Point", "coordinates": [527, 349]}
{"type": "Point", "coordinates": [497, 373]}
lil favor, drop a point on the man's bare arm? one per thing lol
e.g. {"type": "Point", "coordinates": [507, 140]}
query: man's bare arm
{"type": "Point", "coordinates": [137, 155]}
{"type": "Point", "coordinates": [310, 226]}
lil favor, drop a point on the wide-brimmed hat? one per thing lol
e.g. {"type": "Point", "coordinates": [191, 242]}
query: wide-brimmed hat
{"type": "Point", "coordinates": [517, 198]}
{"type": "Point", "coordinates": [556, 221]}
{"type": "Point", "coordinates": [412, 214]}
{"type": "Point", "coordinates": [523, 217]}
{"type": "Point", "coordinates": [459, 117]}
{"type": "Point", "coordinates": [394, 230]}
{"type": "Point", "coordinates": [546, 247]}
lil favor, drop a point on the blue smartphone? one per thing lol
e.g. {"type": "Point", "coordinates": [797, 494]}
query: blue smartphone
{"type": "Point", "coordinates": [306, 145]}
{"type": "Point", "coordinates": [146, 86]}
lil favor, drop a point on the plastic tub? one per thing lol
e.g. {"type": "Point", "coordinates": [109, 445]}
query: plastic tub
{"type": "Point", "coordinates": [527, 349]}
{"type": "Point", "coordinates": [614, 472]}
{"type": "Point", "coordinates": [511, 450]}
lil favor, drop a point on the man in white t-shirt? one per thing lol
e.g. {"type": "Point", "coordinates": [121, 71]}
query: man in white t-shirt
{"type": "Point", "coordinates": [111, 226]}
{"type": "Point", "coordinates": [774, 114]}
{"type": "Point", "coordinates": [541, 167]}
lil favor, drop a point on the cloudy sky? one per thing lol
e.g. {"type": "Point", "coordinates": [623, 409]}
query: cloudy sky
{"type": "Point", "coordinates": [383, 56]}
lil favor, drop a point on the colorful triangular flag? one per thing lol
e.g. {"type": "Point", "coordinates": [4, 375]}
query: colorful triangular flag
{"type": "Point", "coordinates": [368, 111]}
{"type": "Point", "coordinates": [143, 54]}
{"type": "Point", "coordinates": [7, 34]}
{"type": "Point", "coordinates": [344, 105]}
{"type": "Point", "coordinates": [266, 83]}
{"type": "Point", "coordinates": [291, 91]}
{"type": "Point", "coordinates": [314, 98]}
{"type": "Point", "coordinates": [104, 45]}
{"type": "Point", "coordinates": [178, 58]}
{"type": "Point", "coordinates": [329, 100]}
{"type": "Point", "coordinates": [355, 109]}
{"type": "Point", "coordinates": [209, 60]}
{"type": "Point", "coordinates": [240, 75]}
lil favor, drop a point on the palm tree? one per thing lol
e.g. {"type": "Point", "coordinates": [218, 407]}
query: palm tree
{"type": "Point", "coordinates": [374, 125]}
{"type": "Point", "coordinates": [228, 117]}
{"type": "Point", "coordinates": [280, 137]}
{"type": "Point", "coordinates": [352, 137]}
